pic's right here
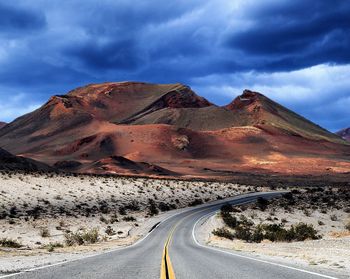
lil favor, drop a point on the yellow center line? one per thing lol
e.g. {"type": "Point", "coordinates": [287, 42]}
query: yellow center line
{"type": "Point", "coordinates": [166, 270]}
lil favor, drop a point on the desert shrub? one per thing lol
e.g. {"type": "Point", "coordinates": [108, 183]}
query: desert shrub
{"type": "Point", "coordinates": [103, 220]}
{"type": "Point", "coordinates": [73, 238]}
{"type": "Point", "coordinates": [122, 210]}
{"type": "Point", "coordinates": [152, 208]}
{"type": "Point", "coordinates": [347, 226]}
{"type": "Point", "coordinates": [51, 246]}
{"type": "Point", "coordinates": [13, 211]}
{"type": "Point", "coordinates": [262, 203]}
{"type": "Point", "coordinates": [114, 219]}
{"type": "Point", "coordinates": [129, 219]}
{"type": "Point", "coordinates": [257, 234]}
{"type": "Point", "coordinates": [9, 243]}
{"type": "Point", "coordinates": [288, 196]}
{"type": "Point", "coordinates": [133, 206]}
{"type": "Point", "coordinates": [320, 223]}
{"type": "Point", "coordinates": [229, 220]}
{"type": "Point", "coordinates": [226, 208]}
{"type": "Point", "coordinates": [109, 230]}
{"type": "Point", "coordinates": [277, 232]}
{"type": "Point", "coordinates": [80, 238]}
{"type": "Point", "coordinates": [243, 232]}
{"type": "Point", "coordinates": [304, 231]}
{"type": "Point", "coordinates": [334, 217]}
{"type": "Point", "coordinates": [223, 232]}
{"type": "Point", "coordinates": [196, 202]}
{"type": "Point", "coordinates": [307, 213]}
{"type": "Point", "coordinates": [163, 206]}
{"type": "Point", "coordinates": [44, 232]}
{"type": "Point", "coordinates": [90, 236]}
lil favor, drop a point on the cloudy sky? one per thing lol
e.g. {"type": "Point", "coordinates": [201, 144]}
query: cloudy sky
{"type": "Point", "coordinates": [295, 52]}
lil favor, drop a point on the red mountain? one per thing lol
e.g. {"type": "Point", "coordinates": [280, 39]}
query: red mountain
{"type": "Point", "coordinates": [167, 130]}
{"type": "Point", "coordinates": [345, 134]}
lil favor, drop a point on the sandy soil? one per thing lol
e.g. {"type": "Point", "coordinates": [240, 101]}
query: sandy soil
{"type": "Point", "coordinates": [331, 252]}
{"type": "Point", "coordinates": [31, 204]}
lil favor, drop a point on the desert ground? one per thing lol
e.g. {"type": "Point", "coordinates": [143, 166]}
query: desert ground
{"type": "Point", "coordinates": [47, 218]}
{"type": "Point", "coordinates": [327, 210]}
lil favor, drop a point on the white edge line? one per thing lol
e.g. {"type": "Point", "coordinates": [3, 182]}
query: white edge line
{"type": "Point", "coordinates": [74, 260]}
{"type": "Point", "coordinates": [250, 258]}
{"type": "Point", "coordinates": [89, 256]}
{"type": "Point", "coordinates": [125, 247]}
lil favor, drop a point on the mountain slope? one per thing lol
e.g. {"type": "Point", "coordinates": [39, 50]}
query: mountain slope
{"type": "Point", "coordinates": [345, 134]}
{"type": "Point", "coordinates": [258, 110]}
{"type": "Point", "coordinates": [2, 124]}
{"type": "Point", "coordinates": [160, 130]}
{"type": "Point", "coordinates": [12, 162]}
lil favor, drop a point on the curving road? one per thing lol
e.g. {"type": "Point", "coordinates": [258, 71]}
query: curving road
{"type": "Point", "coordinates": [171, 250]}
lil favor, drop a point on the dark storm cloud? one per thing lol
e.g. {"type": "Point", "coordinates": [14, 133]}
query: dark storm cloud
{"type": "Point", "coordinates": [111, 55]}
{"type": "Point", "coordinates": [296, 34]}
{"type": "Point", "coordinates": [14, 20]}
{"type": "Point", "coordinates": [49, 47]}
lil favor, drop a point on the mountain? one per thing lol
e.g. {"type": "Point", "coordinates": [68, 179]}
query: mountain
{"type": "Point", "coordinates": [345, 134]}
{"type": "Point", "coordinates": [168, 130]}
{"type": "Point", "coordinates": [12, 162]}
{"type": "Point", "coordinates": [2, 124]}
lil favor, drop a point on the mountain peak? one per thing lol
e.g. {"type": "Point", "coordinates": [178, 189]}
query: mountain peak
{"type": "Point", "coordinates": [245, 99]}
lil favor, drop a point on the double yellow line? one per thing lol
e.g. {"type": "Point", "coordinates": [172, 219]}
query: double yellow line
{"type": "Point", "coordinates": [166, 270]}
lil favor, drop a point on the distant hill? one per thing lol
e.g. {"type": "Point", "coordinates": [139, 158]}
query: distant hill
{"type": "Point", "coordinates": [12, 162]}
{"type": "Point", "coordinates": [2, 124]}
{"type": "Point", "coordinates": [345, 134]}
{"type": "Point", "coordinates": [168, 130]}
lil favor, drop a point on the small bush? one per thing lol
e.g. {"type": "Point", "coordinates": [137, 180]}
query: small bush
{"type": "Point", "coordinates": [103, 220]}
{"type": "Point", "coordinates": [80, 238]}
{"type": "Point", "coordinates": [226, 208]}
{"type": "Point", "coordinates": [334, 217]}
{"type": "Point", "coordinates": [262, 203]}
{"type": "Point", "coordinates": [73, 238]}
{"type": "Point", "coordinates": [10, 243]}
{"type": "Point", "coordinates": [109, 230]}
{"type": "Point", "coordinates": [243, 232]}
{"type": "Point", "coordinates": [129, 219]}
{"type": "Point", "coordinates": [222, 232]}
{"type": "Point", "coordinates": [152, 208]}
{"type": "Point", "coordinates": [44, 232]}
{"type": "Point", "coordinates": [195, 202]}
{"type": "Point", "coordinates": [90, 236]}
{"type": "Point", "coordinates": [229, 220]}
{"type": "Point", "coordinates": [163, 206]}
{"type": "Point", "coordinates": [304, 231]}
{"type": "Point", "coordinates": [122, 210]}
{"type": "Point", "coordinates": [51, 246]}
{"type": "Point", "coordinates": [347, 226]}
{"type": "Point", "coordinates": [133, 206]}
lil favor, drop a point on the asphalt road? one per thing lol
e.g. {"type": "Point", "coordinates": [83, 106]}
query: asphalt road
{"type": "Point", "coordinates": [189, 259]}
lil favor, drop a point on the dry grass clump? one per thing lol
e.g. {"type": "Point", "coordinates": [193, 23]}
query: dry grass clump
{"type": "Point", "coordinates": [9, 243]}
{"type": "Point", "coordinates": [80, 238]}
{"type": "Point", "coordinates": [347, 226]}
{"type": "Point", "coordinates": [44, 232]}
{"type": "Point", "coordinates": [51, 246]}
